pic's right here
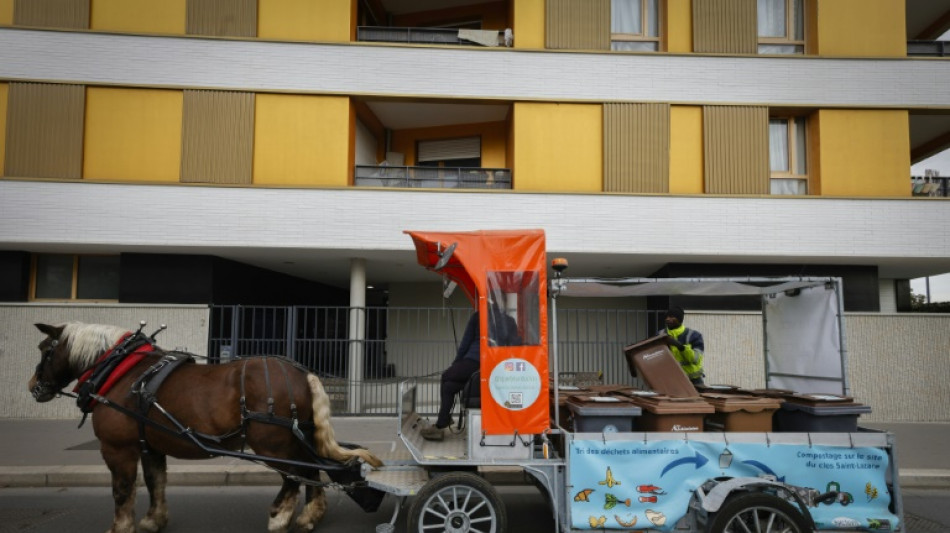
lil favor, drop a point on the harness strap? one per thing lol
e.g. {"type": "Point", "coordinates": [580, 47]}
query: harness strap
{"type": "Point", "coordinates": [295, 428]}
{"type": "Point", "coordinates": [270, 395]}
{"type": "Point", "coordinates": [147, 385]}
{"type": "Point", "coordinates": [319, 463]}
{"type": "Point", "coordinates": [244, 412]}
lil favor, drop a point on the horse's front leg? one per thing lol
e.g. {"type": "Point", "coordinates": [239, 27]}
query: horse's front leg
{"type": "Point", "coordinates": [123, 463]}
{"type": "Point", "coordinates": [154, 469]}
{"type": "Point", "coordinates": [313, 510]}
{"type": "Point", "coordinates": [282, 510]}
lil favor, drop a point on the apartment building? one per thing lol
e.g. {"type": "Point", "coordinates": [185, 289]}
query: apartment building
{"type": "Point", "coordinates": [273, 151]}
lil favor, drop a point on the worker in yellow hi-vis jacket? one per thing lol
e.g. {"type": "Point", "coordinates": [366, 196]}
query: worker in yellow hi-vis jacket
{"type": "Point", "coordinates": [686, 345]}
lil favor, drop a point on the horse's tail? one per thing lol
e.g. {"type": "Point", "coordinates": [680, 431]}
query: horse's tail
{"type": "Point", "coordinates": [323, 434]}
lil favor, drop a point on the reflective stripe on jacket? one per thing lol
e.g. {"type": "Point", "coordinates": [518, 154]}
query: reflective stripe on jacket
{"type": "Point", "coordinates": [690, 357]}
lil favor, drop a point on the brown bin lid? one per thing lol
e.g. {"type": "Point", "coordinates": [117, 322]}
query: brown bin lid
{"type": "Point", "coordinates": [654, 362]}
{"type": "Point", "coordinates": [664, 405]}
{"type": "Point", "coordinates": [604, 390]}
{"type": "Point", "coordinates": [728, 389]}
{"type": "Point", "coordinates": [730, 403]}
{"type": "Point", "coordinates": [773, 393]}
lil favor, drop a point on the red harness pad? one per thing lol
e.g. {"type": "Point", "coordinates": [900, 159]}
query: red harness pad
{"type": "Point", "coordinates": [120, 370]}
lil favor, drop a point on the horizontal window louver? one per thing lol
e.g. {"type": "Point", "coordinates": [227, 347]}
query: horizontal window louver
{"type": "Point", "coordinates": [448, 149]}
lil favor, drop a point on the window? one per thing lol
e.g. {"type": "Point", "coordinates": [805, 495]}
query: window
{"type": "Point", "coordinates": [76, 277]}
{"type": "Point", "coordinates": [781, 27]}
{"type": "Point", "coordinates": [514, 309]}
{"type": "Point", "coordinates": [634, 25]}
{"type": "Point", "coordinates": [787, 158]}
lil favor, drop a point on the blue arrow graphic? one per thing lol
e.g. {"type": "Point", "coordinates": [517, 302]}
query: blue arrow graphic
{"type": "Point", "coordinates": [765, 469]}
{"type": "Point", "coordinates": [699, 459]}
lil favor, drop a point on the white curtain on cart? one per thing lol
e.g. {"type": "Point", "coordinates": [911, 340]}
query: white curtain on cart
{"type": "Point", "coordinates": [804, 341]}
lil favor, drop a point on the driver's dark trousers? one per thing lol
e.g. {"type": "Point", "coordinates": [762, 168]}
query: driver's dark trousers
{"type": "Point", "coordinates": [453, 380]}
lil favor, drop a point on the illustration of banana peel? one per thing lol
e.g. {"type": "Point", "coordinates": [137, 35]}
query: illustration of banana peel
{"type": "Point", "coordinates": [609, 481]}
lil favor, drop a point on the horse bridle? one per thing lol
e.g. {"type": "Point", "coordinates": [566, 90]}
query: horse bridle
{"type": "Point", "coordinates": [42, 387]}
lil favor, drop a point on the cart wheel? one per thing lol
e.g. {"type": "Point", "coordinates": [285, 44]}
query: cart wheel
{"type": "Point", "coordinates": [455, 503]}
{"type": "Point", "coordinates": [758, 512]}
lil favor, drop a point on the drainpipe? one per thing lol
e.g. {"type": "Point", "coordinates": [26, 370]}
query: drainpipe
{"type": "Point", "coordinates": [354, 377]}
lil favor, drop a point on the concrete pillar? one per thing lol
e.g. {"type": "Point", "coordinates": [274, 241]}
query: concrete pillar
{"type": "Point", "coordinates": [357, 318]}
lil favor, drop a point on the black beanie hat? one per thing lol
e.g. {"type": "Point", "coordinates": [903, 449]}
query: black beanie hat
{"type": "Point", "coordinates": [676, 312]}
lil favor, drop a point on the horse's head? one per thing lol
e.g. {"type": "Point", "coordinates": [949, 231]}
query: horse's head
{"type": "Point", "coordinates": [52, 373]}
{"type": "Point", "coordinates": [67, 351]}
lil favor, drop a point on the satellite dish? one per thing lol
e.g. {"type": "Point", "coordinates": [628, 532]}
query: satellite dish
{"type": "Point", "coordinates": [445, 256]}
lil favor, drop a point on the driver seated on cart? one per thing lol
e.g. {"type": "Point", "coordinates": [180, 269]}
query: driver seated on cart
{"type": "Point", "coordinates": [686, 345]}
{"type": "Point", "coordinates": [503, 331]}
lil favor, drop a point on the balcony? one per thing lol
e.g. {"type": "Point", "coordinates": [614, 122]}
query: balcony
{"type": "Point", "coordinates": [449, 36]}
{"type": "Point", "coordinates": [933, 186]}
{"type": "Point", "coordinates": [432, 177]}
{"type": "Point", "coordinates": [928, 48]}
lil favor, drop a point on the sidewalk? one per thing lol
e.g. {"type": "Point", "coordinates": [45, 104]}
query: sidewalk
{"type": "Point", "coordinates": [40, 453]}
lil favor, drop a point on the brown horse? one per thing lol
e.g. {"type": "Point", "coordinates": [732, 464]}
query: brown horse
{"type": "Point", "coordinates": [206, 399]}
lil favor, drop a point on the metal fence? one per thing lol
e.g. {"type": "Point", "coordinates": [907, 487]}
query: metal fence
{"type": "Point", "coordinates": [432, 177]}
{"type": "Point", "coordinates": [398, 343]}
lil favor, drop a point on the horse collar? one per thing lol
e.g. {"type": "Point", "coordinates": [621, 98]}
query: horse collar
{"type": "Point", "coordinates": [110, 367]}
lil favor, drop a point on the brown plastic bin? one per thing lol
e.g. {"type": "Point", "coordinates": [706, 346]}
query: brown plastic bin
{"type": "Point", "coordinates": [740, 413]}
{"type": "Point", "coordinates": [653, 361]}
{"type": "Point", "coordinates": [668, 414]}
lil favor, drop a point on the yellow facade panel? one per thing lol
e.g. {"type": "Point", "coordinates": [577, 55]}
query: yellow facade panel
{"type": "Point", "coordinates": [528, 24]}
{"type": "Point", "coordinates": [864, 152]}
{"type": "Point", "coordinates": [4, 91]}
{"type": "Point", "coordinates": [6, 12]}
{"type": "Point", "coordinates": [301, 140]}
{"type": "Point", "coordinates": [139, 16]}
{"type": "Point", "coordinates": [306, 20]}
{"type": "Point", "coordinates": [132, 134]}
{"type": "Point", "coordinates": [493, 140]}
{"type": "Point", "coordinates": [678, 27]}
{"type": "Point", "coordinates": [559, 147]}
{"type": "Point", "coordinates": [862, 28]}
{"type": "Point", "coordinates": [686, 150]}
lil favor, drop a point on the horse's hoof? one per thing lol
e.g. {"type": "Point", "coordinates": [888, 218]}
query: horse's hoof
{"type": "Point", "coordinates": [152, 524]}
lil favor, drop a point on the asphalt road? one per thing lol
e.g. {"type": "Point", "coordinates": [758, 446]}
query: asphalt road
{"type": "Point", "coordinates": [244, 509]}
{"type": "Point", "coordinates": [224, 510]}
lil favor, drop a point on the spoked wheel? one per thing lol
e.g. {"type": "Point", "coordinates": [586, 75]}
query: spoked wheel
{"type": "Point", "coordinates": [458, 502]}
{"type": "Point", "coordinates": [758, 513]}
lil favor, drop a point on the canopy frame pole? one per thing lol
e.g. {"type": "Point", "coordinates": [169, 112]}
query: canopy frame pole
{"type": "Point", "coordinates": [765, 339]}
{"type": "Point", "coordinates": [843, 348]}
{"type": "Point", "coordinates": [555, 290]}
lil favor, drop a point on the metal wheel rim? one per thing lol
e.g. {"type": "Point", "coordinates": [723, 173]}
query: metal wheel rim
{"type": "Point", "coordinates": [458, 509]}
{"type": "Point", "coordinates": [761, 519]}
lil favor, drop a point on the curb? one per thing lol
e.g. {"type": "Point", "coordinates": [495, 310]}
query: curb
{"type": "Point", "coordinates": [255, 475]}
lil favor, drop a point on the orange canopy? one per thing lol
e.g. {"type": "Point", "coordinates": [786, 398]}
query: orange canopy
{"type": "Point", "coordinates": [503, 273]}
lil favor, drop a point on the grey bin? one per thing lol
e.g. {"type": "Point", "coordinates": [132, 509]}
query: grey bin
{"type": "Point", "coordinates": [591, 417]}
{"type": "Point", "coordinates": [795, 417]}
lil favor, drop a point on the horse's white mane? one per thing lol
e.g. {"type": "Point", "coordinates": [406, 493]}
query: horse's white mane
{"type": "Point", "coordinates": [86, 342]}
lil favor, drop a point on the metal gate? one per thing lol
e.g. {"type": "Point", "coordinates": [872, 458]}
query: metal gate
{"type": "Point", "coordinates": [401, 342]}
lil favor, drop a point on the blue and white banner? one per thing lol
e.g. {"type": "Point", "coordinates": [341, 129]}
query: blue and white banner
{"type": "Point", "coordinates": [621, 484]}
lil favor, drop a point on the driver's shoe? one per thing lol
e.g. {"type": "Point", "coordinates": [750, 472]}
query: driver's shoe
{"type": "Point", "coordinates": [432, 433]}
